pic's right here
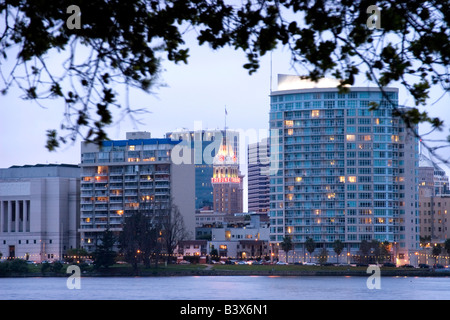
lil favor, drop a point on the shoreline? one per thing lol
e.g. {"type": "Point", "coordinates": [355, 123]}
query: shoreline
{"type": "Point", "coordinates": [209, 270]}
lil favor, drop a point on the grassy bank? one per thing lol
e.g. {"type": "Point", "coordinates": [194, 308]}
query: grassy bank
{"type": "Point", "coordinates": [220, 270]}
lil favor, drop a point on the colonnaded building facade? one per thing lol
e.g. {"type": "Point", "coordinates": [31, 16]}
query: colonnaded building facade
{"type": "Point", "coordinates": [39, 211]}
{"type": "Point", "coordinates": [346, 173]}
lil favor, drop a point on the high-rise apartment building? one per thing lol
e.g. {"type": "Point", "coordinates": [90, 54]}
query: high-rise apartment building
{"type": "Point", "coordinates": [258, 176]}
{"type": "Point", "coordinates": [39, 211]}
{"type": "Point", "coordinates": [124, 176]}
{"type": "Point", "coordinates": [346, 173]}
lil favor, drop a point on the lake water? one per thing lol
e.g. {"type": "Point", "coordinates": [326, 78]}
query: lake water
{"type": "Point", "coordinates": [226, 288]}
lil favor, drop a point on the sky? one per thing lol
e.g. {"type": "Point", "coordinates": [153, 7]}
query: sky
{"type": "Point", "coordinates": [195, 94]}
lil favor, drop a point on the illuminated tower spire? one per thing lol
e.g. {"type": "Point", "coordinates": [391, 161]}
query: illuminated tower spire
{"type": "Point", "coordinates": [226, 180]}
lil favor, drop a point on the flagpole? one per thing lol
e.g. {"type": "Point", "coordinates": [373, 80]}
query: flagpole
{"type": "Point", "coordinates": [225, 118]}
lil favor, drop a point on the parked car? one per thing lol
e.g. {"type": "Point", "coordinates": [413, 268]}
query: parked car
{"type": "Point", "coordinates": [424, 266]}
{"type": "Point", "coordinates": [281, 263]}
{"type": "Point", "coordinates": [406, 266]}
{"type": "Point", "coordinates": [389, 264]}
{"type": "Point", "coordinates": [309, 264]}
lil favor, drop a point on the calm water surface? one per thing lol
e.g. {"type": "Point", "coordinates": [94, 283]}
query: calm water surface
{"type": "Point", "coordinates": [226, 288]}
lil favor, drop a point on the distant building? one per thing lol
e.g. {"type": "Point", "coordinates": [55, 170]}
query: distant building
{"type": "Point", "coordinates": [432, 177]}
{"type": "Point", "coordinates": [258, 176]}
{"type": "Point", "coordinates": [125, 176]}
{"type": "Point", "coordinates": [227, 181]}
{"type": "Point", "coordinates": [434, 216]}
{"type": "Point", "coordinates": [191, 248]}
{"type": "Point", "coordinates": [203, 146]}
{"type": "Point", "coordinates": [250, 241]}
{"type": "Point", "coordinates": [39, 211]}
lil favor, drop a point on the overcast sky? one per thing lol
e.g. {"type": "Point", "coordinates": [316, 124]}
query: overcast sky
{"type": "Point", "coordinates": [195, 93]}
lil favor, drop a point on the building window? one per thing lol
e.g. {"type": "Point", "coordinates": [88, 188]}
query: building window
{"type": "Point", "coordinates": [315, 113]}
{"type": "Point", "coordinates": [352, 179]}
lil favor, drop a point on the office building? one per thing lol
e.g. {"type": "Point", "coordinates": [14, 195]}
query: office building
{"type": "Point", "coordinates": [432, 177]}
{"type": "Point", "coordinates": [346, 173]}
{"type": "Point", "coordinates": [434, 201]}
{"type": "Point", "coordinates": [434, 216]}
{"type": "Point", "coordinates": [227, 181]}
{"type": "Point", "coordinates": [125, 176]}
{"type": "Point", "coordinates": [258, 176]}
{"type": "Point", "coordinates": [203, 146]}
{"type": "Point", "coordinates": [39, 211]}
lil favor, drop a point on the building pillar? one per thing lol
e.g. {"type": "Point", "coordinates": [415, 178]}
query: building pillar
{"type": "Point", "coordinates": [17, 216]}
{"type": "Point", "coordinates": [9, 217]}
{"type": "Point", "coordinates": [24, 215]}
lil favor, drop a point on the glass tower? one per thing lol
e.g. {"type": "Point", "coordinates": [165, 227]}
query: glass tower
{"type": "Point", "coordinates": [346, 173]}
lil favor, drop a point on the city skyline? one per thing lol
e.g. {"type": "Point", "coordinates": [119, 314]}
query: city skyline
{"type": "Point", "coordinates": [198, 91]}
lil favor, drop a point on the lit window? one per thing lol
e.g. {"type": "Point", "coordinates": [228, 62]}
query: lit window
{"type": "Point", "coordinates": [289, 123]}
{"type": "Point", "coordinates": [352, 179]}
{"type": "Point", "coordinates": [367, 137]}
{"type": "Point", "coordinates": [131, 148]}
{"type": "Point", "coordinates": [298, 179]}
{"type": "Point", "coordinates": [341, 179]}
{"type": "Point", "coordinates": [315, 113]}
{"type": "Point", "coordinates": [350, 137]}
{"type": "Point", "coordinates": [290, 132]}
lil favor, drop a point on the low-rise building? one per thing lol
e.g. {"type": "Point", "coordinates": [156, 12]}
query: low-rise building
{"type": "Point", "coordinates": [39, 211]}
{"type": "Point", "coordinates": [247, 242]}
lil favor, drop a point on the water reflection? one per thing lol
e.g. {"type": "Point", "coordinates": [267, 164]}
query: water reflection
{"type": "Point", "coordinates": [225, 288]}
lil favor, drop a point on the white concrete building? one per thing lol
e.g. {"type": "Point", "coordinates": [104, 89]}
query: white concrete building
{"type": "Point", "coordinates": [39, 211]}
